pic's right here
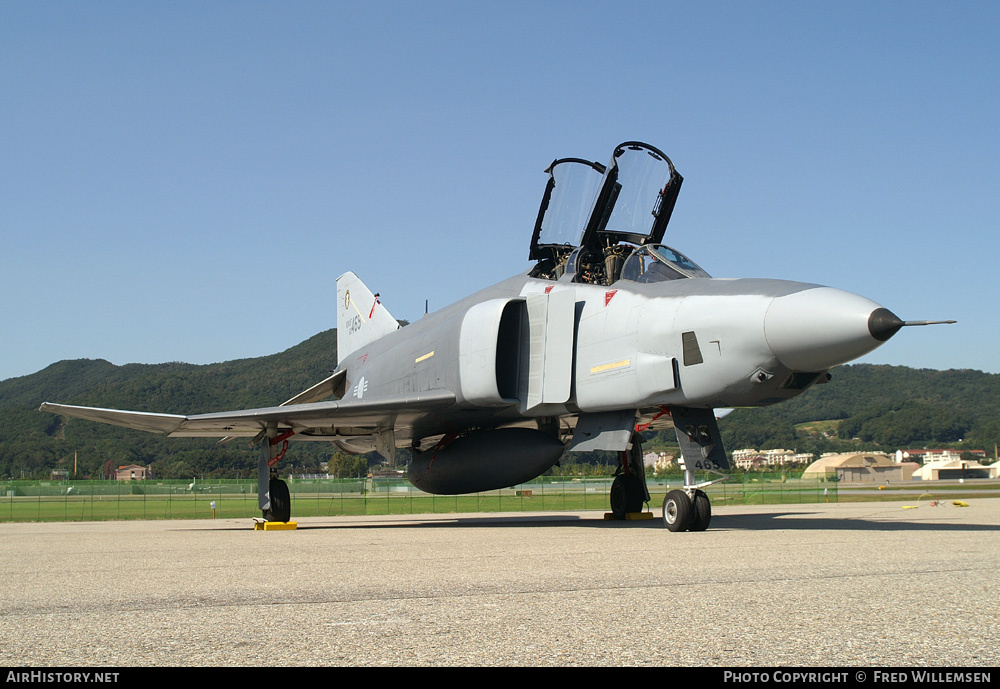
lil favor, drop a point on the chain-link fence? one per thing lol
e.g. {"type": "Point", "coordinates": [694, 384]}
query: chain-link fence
{"type": "Point", "coordinates": [153, 499]}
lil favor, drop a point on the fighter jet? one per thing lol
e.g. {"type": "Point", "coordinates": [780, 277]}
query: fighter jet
{"type": "Point", "coordinates": [608, 334]}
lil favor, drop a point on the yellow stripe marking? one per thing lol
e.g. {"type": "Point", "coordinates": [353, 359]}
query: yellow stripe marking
{"type": "Point", "coordinates": [608, 367]}
{"type": "Point", "coordinates": [422, 358]}
{"type": "Point", "coordinates": [357, 309]}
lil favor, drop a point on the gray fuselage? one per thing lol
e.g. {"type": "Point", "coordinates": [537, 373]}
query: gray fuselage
{"type": "Point", "coordinates": [530, 348]}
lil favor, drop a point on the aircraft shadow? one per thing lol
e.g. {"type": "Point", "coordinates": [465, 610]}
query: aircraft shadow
{"type": "Point", "coordinates": [415, 522]}
{"type": "Point", "coordinates": [771, 521]}
{"type": "Point", "coordinates": [756, 521]}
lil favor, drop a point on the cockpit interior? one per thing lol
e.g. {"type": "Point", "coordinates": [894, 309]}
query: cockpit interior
{"type": "Point", "coordinates": [599, 224]}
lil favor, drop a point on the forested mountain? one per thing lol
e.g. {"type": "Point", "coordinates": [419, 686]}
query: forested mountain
{"type": "Point", "coordinates": [32, 442]}
{"type": "Point", "coordinates": [884, 406]}
{"type": "Point", "coordinates": [888, 407]}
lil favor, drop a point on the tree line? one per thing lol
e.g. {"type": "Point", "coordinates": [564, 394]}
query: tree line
{"type": "Point", "coordinates": [874, 407]}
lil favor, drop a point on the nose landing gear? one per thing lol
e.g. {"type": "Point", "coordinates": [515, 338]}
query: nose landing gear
{"type": "Point", "coordinates": [683, 513]}
{"type": "Point", "coordinates": [701, 448]}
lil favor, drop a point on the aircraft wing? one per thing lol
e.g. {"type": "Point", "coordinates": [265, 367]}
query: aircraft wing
{"type": "Point", "coordinates": [319, 419]}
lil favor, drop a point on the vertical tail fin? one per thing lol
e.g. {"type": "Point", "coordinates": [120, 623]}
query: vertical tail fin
{"type": "Point", "coordinates": [361, 318]}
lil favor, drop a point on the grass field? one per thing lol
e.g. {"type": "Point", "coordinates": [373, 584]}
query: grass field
{"type": "Point", "coordinates": [89, 501]}
{"type": "Point", "coordinates": [76, 501]}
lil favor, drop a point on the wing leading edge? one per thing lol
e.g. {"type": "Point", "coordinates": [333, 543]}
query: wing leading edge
{"type": "Point", "coordinates": [320, 419]}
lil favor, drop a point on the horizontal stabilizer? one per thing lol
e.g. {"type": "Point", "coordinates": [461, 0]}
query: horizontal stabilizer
{"type": "Point", "coordinates": [334, 385]}
{"type": "Point", "coordinates": [142, 421]}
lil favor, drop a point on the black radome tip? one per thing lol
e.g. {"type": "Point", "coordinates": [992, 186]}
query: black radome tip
{"type": "Point", "coordinates": [883, 324]}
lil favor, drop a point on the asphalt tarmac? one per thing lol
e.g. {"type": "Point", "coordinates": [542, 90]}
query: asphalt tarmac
{"type": "Point", "coordinates": [863, 584]}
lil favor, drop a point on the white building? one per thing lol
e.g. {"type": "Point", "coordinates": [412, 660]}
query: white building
{"type": "Point", "coordinates": [752, 459]}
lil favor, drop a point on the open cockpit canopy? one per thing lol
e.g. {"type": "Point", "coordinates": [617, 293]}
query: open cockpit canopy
{"type": "Point", "coordinates": [592, 217]}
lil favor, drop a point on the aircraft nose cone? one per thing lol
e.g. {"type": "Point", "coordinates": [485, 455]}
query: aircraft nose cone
{"type": "Point", "coordinates": [883, 324]}
{"type": "Point", "coordinates": [822, 327]}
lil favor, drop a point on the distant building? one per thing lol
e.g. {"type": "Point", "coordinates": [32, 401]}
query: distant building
{"type": "Point", "coordinates": [859, 467]}
{"type": "Point", "coordinates": [955, 468]}
{"type": "Point", "coordinates": [133, 472]}
{"type": "Point", "coordinates": [658, 462]}
{"type": "Point", "coordinates": [750, 463]}
{"type": "Point", "coordinates": [749, 458]}
{"type": "Point", "coordinates": [927, 456]}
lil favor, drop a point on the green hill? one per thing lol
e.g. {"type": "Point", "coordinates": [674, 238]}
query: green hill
{"type": "Point", "coordinates": [880, 406]}
{"type": "Point", "coordinates": [886, 407]}
{"type": "Point", "coordinates": [33, 443]}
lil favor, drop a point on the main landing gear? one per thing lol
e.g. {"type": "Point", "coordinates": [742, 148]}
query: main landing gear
{"type": "Point", "coordinates": [281, 502]}
{"type": "Point", "coordinates": [626, 495]}
{"type": "Point", "coordinates": [274, 501]}
{"type": "Point", "coordinates": [628, 491]}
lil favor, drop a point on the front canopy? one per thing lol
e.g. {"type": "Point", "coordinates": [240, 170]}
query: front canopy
{"type": "Point", "coordinates": [588, 210]}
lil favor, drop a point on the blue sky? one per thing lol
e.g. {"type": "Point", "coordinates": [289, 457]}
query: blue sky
{"type": "Point", "coordinates": [185, 181]}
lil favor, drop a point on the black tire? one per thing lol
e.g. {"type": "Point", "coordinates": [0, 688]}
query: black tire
{"type": "Point", "coordinates": [281, 502]}
{"type": "Point", "coordinates": [677, 511]}
{"type": "Point", "coordinates": [702, 512]}
{"type": "Point", "coordinates": [626, 495]}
